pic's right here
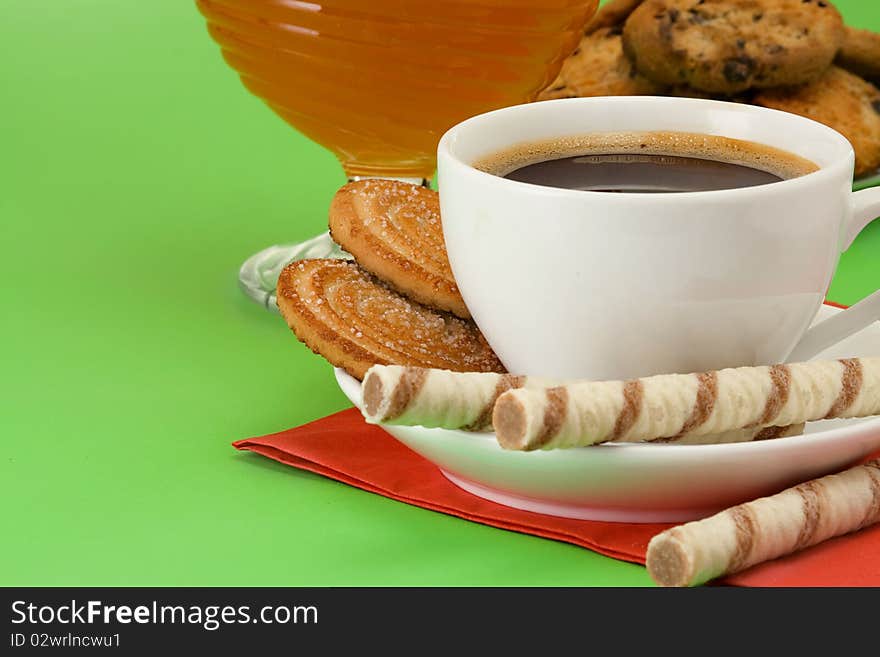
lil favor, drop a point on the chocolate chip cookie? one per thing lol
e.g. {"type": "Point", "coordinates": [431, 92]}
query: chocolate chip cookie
{"type": "Point", "coordinates": [860, 53]}
{"type": "Point", "coordinates": [683, 91]}
{"type": "Point", "coordinates": [841, 100]}
{"type": "Point", "coordinates": [598, 67]}
{"type": "Point", "coordinates": [728, 46]}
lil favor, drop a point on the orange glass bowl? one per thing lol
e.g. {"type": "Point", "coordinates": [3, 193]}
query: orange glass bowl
{"type": "Point", "coordinates": [379, 81]}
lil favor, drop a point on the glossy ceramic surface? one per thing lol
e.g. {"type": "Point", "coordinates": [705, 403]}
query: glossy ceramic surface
{"type": "Point", "coordinates": [644, 482]}
{"type": "Point", "coordinates": [575, 284]}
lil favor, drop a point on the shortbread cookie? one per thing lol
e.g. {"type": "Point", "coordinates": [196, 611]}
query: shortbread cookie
{"type": "Point", "coordinates": [393, 230]}
{"type": "Point", "coordinates": [766, 528]}
{"type": "Point", "coordinates": [658, 408]}
{"type": "Point", "coordinates": [611, 14]}
{"type": "Point", "coordinates": [728, 46]}
{"type": "Point", "coordinates": [355, 321]}
{"type": "Point", "coordinates": [841, 100]}
{"type": "Point", "coordinates": [598, 67]}
{"type": "Point", "coordinates": [860, 54]}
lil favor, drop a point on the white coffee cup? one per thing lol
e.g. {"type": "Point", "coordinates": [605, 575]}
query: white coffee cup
{"type": "Point", "coordinates": [581, 284]}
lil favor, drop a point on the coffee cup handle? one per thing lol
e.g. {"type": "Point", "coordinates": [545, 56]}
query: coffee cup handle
{"type": "Point", "coordinates": [865, 208]}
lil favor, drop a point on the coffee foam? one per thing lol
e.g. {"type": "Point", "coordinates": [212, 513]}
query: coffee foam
{"type": "Point", "coordinates": [702, 146]}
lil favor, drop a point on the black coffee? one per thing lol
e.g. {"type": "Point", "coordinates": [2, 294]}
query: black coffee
{"type": "Point", "coordinates": [637, 173]}
{"type": "Point", "coordinates": [645, 162]}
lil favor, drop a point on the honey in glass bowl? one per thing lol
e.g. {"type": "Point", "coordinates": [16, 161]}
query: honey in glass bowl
{"type": "Point", "coordinates": [378, 82]}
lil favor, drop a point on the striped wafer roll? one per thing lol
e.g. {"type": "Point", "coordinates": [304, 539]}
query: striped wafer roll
{"type": "Point", "coordinates": [738, 435]}
{"type": "Point", "coordinates": [395, 394]}
{"type": "Point", "coordinates": [671, 407]}
{"type": "Point", "coordinates": [766, 528]}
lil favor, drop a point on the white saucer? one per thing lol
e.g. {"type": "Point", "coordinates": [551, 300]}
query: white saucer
{"type": "Point", "coordinates": [644, 482]}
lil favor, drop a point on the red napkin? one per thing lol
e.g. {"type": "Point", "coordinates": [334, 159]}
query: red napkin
{"type": "Point", "coordinates": [344, 447]}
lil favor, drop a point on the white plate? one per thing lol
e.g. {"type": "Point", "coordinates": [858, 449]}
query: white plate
{"type": "Point", "coordinates": [644, 482]}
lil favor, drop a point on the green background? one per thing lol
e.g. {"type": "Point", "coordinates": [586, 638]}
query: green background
{"type": "Point", "coordinates": [136, 174]}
